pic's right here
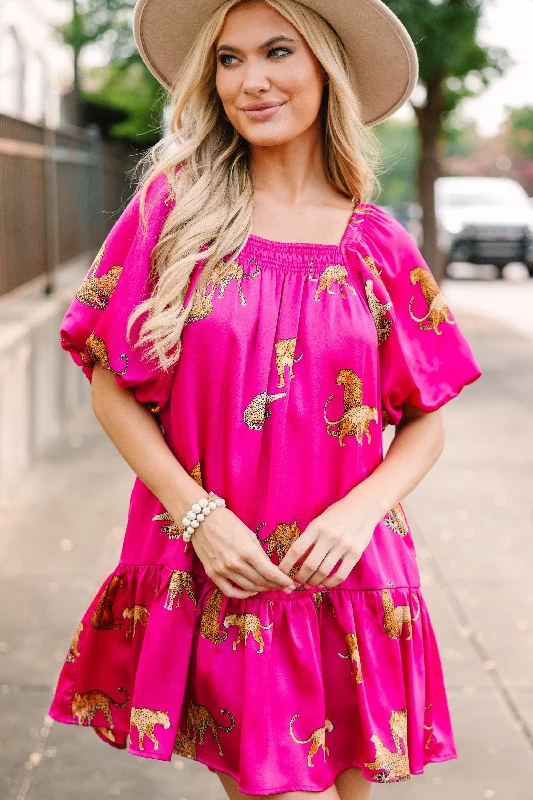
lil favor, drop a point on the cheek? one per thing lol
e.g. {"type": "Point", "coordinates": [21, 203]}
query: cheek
{"type": "Point", "coordinates": [305, 95]}
{"type": "Point", "coordinates": [226, 88]}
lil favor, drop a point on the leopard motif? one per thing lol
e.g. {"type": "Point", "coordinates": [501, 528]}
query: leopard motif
{"type": "Point", "coordinates": [255, 414]}
{"type": "Point", "coordinates": [353, 654]}
{"type": "Point", "coordinates": [247, 623]}
{"type": "Point", "coordinates": [285, 358]}
{"type": "Point", "coordinates": [331, 273]}
{"type": "Point", "coordinates": [96, 292]}
{"type": "Point", "coordinates": [145, 720]}
{"type": "Point", "coordinates": [179, 580]}
{"type": "Point", "coordinates": [280, 540]}
{"type": "Point", "coordinates": [202, 307]}
{"type": "Point", "coordinates": [109, 735]}
{"type": "Point", "coordinates": [73, 651]}
{"type": "Point", "coordinates": [378, 310]}
{"type": "Point", "coordinates": [199, 719]}
{"type": "Point", "coordinates": [183, 746]}
{"type": "Point", "coordinates": [438, 310]}
{"type": "Point", "coordinates": [396, 520]}
{"type": "Point", "coordinates": [361, 211]}
{"type": "Point", "coordinates": [395, 617]}
{"type": "Point", "coordinates": [176, 529]}
{"type": "Point", "coordinates": [393, 765]}
{"type": "Point", "coordinates": [317, 739]}
{"type": "Point", "coordinates": [103, 617]}
{"type": "Point", "coordinates": [428, 728]}
{"type": "Point", "coordinates": [226, 272]}
{"type": "Point", "coordinates": [371, 264]}
{"type": "Point", "coordinates": [135, 614]}
{"type": "Point", "coordinates": [318, 597]}
{"type": "Point", "coordinates": [386, 418]}
{"type": "Point", "coordinates": [209, 623]}
{"type": "Point", "coordinates": [97, 351]}
{"type": "Point", "coordinates": [85, 706]}
{"type": "Point", "coordinates": [356, 417]}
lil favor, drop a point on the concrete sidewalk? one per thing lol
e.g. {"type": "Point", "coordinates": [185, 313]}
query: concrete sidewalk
{"type": "Point", "coordinates": [472, 518]}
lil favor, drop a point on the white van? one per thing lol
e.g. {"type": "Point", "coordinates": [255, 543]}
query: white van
{"type": "Point", "coordinates": [484, 221]}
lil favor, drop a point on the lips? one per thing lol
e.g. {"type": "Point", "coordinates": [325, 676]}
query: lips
{"type": "Point", "coordinates": [260, 106]}
{"type": "Point", "coordinates": [263, 113]}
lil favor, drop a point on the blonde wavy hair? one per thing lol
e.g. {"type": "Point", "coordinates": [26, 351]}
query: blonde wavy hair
{"type": "Point", "coordinates": [213, 189]}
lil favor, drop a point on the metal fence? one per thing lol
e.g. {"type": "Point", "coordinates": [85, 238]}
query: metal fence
{"type": "Point", "coordinates": [54, 186]}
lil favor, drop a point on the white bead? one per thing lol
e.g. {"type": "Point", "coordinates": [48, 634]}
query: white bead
{"type": "Point", "coordinates": [212, 504]}
{"type": "Point", "coordinates": [185, 521]}
{"type": "Point", "coordinates": [186, 537]}
{"type": "Point", "coordinates": [223, 501]}
{"type": "Point", "coordinates": [200, 517]}
{"type": "Point", "coordinates": [191, 514]}
{"type": "Point", "coordinates": [202, 502]}
{"type": "Point", "coordinates": [194, 523]}
{"type": "Point", "coordinates": [196, 508]}
{"type": "Point", "coordinates": [207, 511]}
{"type": "Point", "coordinates": [190, 529]}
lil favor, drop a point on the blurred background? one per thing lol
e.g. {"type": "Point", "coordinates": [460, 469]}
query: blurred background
{"type": "Point", "coordinates": [77, 108]}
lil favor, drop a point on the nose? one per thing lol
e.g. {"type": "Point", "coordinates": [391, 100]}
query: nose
{"type": "Point", "coordinates": [254, 78]}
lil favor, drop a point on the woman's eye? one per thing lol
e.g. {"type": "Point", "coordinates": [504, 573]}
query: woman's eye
{"type": "Point", "coordinates": [284, 51]}
{"type": "Point", "coordinates": [223, 56]}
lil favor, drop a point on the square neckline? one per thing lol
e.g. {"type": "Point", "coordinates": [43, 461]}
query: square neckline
{"type": "Point", "coordinates": [261, 240]}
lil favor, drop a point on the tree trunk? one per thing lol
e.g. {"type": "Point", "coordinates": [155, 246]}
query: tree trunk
{"type": "Point", "coordinates": [429, 118]}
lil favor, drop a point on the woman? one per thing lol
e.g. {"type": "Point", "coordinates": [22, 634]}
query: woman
{"type": "Point", "coordinates": [282, 638]}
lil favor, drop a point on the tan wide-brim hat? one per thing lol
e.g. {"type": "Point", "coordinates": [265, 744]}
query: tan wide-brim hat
{"type": "Point", "coordinates": [378, 44]}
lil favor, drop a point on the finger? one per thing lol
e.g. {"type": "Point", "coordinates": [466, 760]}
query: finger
{"type": "Point", "coordinates": [324, 569]}
{"type": "Point", "coordinates": [298, 550]}
{"type": "Point", "coordinates": [248, 577]}
{"type": "Point", "coordinates": [313, 560]}
{"type": "Point", "coordinates": [258, 577]}
{"type": "Point", "coordinates": [230, 591]}
{"type": "Point", "coordinates": [347, 564]}
{"type": "Point", "coordinates": [268, 571]}
{"type": "Point", "coordinates": [263, 582]}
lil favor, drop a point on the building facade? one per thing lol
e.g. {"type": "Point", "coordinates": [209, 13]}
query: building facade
{"type": "Point", "coordinates": [35, 65]}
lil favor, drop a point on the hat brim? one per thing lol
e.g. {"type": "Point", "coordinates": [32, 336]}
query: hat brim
{"type": "Point", "coordinates": [379, 46]}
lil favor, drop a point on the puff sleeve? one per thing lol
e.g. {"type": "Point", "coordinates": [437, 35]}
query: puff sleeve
{"type": "Point", "coordinates": [424, 358]}
{"type": "Point", "coordinates": [94, 326]}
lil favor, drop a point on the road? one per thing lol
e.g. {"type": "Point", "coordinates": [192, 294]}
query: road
{"type": "Point", "coordinates": [509, 301]}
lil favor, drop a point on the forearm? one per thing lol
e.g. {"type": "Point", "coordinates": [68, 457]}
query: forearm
{"type": "Point", "coordinates": [417, 444]}
{"type": "Point", "coordinates": [136, 434]}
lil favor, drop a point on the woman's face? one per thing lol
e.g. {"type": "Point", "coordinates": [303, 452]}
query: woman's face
{"type": "Point", "coordinates": [262, 58]}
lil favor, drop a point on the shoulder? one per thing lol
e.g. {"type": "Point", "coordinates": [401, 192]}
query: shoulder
{"type": "Point", "coordinates": [382, 225]}
{"type": "Point", "coordinates": [384, 238]}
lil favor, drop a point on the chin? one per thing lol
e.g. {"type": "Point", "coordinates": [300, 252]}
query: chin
{"type": "Point", "coordinates": [270, 137]}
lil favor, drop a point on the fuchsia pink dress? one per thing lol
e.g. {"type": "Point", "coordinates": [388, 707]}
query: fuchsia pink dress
{"type": "Point", "coordinates": [293, 361]}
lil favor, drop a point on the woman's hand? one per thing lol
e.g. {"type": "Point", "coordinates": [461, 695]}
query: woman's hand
{"type": "Point", "coordinates": [340, 533]}
{"type": "Point", "coordinates": [231, 554]}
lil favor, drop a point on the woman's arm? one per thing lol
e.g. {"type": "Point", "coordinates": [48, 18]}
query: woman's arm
{"type": "Point", "coordinates": [418, 443]}
{"type": "Point", "coordinates": [343, 531]}
{"type": "Point", "coordinates": [135, 432]}
{"type": "Point", "coordinates": [229, 551]}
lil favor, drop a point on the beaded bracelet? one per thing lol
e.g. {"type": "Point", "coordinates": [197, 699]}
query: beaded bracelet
{"type": "Point", "coordinates": [199, 512]}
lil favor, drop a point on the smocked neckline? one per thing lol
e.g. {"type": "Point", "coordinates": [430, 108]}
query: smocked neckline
{"type": "Point", "coordinates": [297, 255]}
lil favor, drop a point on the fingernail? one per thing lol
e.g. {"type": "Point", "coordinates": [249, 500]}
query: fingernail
{"type": "Point", "coordinates": [289, 589]}
{"type": "Point", "coordinates": [251, 593]}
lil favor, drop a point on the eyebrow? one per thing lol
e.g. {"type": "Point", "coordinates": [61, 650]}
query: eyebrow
{"type": "Point", "coordinates": [261, 47]}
